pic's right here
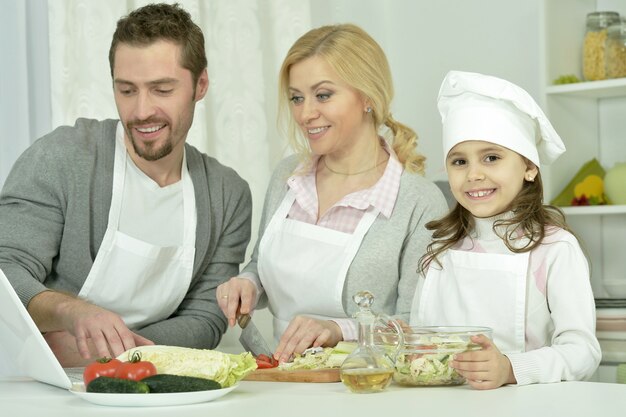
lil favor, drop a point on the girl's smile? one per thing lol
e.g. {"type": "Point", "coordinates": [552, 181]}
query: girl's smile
{"type": "Point", "coordinates": [485, 178]}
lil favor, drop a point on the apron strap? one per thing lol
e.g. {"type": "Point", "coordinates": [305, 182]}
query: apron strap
{"type": "Point", "coordinates": [119, 174]}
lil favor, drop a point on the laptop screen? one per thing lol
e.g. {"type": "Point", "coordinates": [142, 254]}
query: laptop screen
{"type": "Point", "coordinates": [23, 350]}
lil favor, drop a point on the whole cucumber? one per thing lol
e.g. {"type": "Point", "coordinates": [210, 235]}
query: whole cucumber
{"type": "Point", "coordinates": [105, 384]}
{"type": "Point", "coordinates": [162, 383]}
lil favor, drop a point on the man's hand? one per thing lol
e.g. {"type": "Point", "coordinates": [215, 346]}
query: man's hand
{"type": "Point", "coordinates": [304, 332]}
{"type": "Point", "coordinates": [88, 324]}
{"type": "Point", "coordinates": [105, 330]}
{"type": "Point", "coordinates": [64, 347]}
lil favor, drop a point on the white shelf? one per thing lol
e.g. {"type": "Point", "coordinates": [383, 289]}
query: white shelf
{"type": "Point", "coordinates": [589, 116]}
{"type": "Point", "coordinates": [590, 89]}
{"type": "Point", "coordinates": [594, 210]}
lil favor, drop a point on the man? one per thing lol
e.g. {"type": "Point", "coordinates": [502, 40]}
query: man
{"type": "Point", "coordinates": [114, 233]}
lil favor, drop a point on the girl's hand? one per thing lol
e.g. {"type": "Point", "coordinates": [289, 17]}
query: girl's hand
{"type": "Point", "coordinates": [304, 332]}
{"type": "Point", "coordinates": [237, 295]}
{"type": "Point", "coordinates": [486, 368]}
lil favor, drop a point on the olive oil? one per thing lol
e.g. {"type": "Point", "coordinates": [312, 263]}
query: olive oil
{"type": "Point", "coordinates": [368, 368]}
{"type": "Point", "coordinates": [365, 380]}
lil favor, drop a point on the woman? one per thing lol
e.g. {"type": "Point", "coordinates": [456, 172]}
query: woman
{"type": "Point", "coordinates": [348, 214]}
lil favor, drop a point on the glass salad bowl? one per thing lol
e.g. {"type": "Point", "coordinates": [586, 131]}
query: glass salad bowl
{"type": "Point", "coordinates": [423, 358]}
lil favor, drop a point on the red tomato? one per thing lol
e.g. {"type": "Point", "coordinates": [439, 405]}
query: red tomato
{"type": "Point", "coordinates": [264, 362]}
{"type": "Point", "coordinates": [263, 357]}
{"type": "Point", "coordinates": [101, 367]}
{"type": "Point", "coordinates": [263, 365]}
{"type": "Point", "coordinates": [135, 369]}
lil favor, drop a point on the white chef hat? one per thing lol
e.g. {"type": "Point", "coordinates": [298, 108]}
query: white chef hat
{"type": "Point", "coordinates": [481, 107]}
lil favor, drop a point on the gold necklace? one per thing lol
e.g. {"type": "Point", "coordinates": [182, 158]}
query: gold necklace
{"type": "Point", "coordinates": [354, 173]}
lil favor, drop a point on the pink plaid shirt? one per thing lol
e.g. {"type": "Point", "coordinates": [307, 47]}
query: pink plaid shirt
{"type": "Point", "coordinates": [344, 216]}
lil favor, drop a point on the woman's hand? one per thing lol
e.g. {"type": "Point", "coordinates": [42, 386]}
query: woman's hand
{"type": "Point", "coordinates": [304, 332]}
{"type": "Point", "coordinates": [486, 368]}
{"type": "Point", "coordinates": [236, 295]}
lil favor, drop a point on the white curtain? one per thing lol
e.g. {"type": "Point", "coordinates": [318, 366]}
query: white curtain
{"type": "Point", "coordinates": [246, 42]}
{"type": "Point", "coordinates": [24, 78]}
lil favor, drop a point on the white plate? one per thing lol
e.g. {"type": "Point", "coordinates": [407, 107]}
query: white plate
{"type": "Point", "coordinates": [149, 400]}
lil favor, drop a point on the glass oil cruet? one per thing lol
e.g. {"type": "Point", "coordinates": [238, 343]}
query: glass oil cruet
{"type": "Point", "coordinates": [369, 368]}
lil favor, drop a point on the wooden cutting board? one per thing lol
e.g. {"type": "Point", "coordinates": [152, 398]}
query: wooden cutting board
{"type": "Point", "coordinates": [301, 375]}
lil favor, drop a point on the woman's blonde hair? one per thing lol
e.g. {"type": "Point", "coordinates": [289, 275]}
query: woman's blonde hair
{"type": "Point", "coordinates": [360, 62]}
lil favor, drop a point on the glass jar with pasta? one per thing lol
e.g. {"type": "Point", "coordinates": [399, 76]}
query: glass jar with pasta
{"type": "Point", "coordinates": [616, 50]}
{"type": "Point", "coordinates": [594, 45]}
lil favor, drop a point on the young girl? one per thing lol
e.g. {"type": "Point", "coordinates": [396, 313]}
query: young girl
{"type": "Point", "coordinates": [501, 258]}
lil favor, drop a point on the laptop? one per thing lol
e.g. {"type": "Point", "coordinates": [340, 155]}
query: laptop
{"type": "Point", "coordinates": [23, 350]}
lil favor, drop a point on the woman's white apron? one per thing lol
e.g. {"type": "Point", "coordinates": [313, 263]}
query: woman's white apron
{"type": "Point", "coordinates": [303, 266]}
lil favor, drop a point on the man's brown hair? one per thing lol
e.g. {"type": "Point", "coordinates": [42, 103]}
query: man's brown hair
{"type": "Point", "coordinates": [169, 22]}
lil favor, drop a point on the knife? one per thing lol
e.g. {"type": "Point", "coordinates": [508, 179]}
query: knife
{"type": "Point", "coordinates": [251, 338]}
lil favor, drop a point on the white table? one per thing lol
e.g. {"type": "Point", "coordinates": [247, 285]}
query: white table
{"type": "Point", "coordinates": [276, 399]}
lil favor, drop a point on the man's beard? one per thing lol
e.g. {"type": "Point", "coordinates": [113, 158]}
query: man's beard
{"type": "Point", "coordinates": [150, 153]}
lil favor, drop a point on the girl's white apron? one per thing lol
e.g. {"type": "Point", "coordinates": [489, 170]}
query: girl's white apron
{"type": "Point", "coordinates": [477, 289]}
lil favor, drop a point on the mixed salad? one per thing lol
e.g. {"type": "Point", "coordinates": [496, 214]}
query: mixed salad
{"type": "Point", "coordinates": [426, 362]}
{"type": "Point", "coordinates": [320, 358]}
